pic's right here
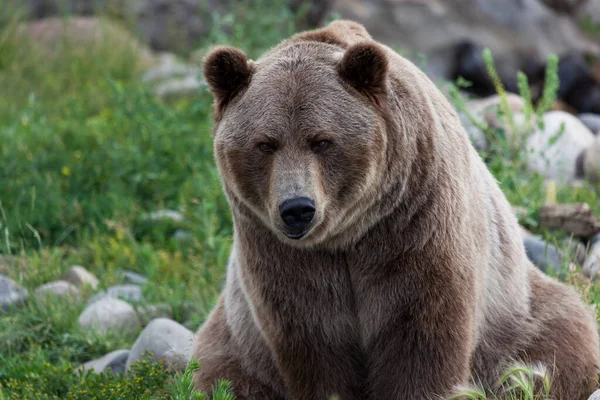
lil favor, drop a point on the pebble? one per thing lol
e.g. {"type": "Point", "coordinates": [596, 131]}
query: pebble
{"type": "Point", "coordinates": [129, 292]}
{"type": "Point", "coordinates": [167, 341]}
{"type": "Point", "coordinates": [109, 313]}
{"type": "Point", "coordinates": [591, 121]}
{"type": "Point", "coordinates": [134, 278]}
{"type": "Point", "coordinates": [79, 276]}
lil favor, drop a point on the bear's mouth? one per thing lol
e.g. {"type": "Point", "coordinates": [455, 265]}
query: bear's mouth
{"type": "Point", "coordinates": [296, 235]}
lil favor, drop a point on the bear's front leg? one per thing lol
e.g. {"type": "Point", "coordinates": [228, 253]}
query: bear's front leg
{"type": "Point", "coordinates": [419, 338]}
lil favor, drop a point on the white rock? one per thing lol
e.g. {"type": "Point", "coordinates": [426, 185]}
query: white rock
{"type": "Point", "coordinates": [592, 161]}
{"type": "Point", "coordinates": [167, 341]}
{"type": "Point", "coordinates": [595, 395]}
{"type": "Point", "coordinates": [109, 314]}
{"type": "Point", "coordinates": [554, 155]}
{"type": "Point", "coordinates": [80, 276]}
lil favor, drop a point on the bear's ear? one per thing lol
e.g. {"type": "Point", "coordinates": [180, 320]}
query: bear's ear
{"type": "Point", "coordinates": [227, 72]}
{"type": "Point", "coordinates": [365, 67]}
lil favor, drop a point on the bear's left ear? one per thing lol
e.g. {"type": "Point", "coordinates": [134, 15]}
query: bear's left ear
{"type": "Point", "coordinates": [227, 72]}
{"type": "Point", "coordinates": [365, 67]}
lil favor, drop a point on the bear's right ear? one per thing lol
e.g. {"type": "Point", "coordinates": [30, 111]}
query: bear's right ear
{"type": "Point", "coordinates": [227, 72]}
{"type": "Point", "coordinates": [365, 67]}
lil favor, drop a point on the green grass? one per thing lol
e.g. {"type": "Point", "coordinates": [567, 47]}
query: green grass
{"type": "Point", "coordinates": [86, 151]}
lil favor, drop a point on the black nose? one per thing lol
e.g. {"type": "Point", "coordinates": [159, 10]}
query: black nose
{"type": "Point", "coordinates": [297, 213]}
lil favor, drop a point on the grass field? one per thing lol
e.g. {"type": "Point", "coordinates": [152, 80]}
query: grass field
{"type": "Point", "coordinates": [86, 150]}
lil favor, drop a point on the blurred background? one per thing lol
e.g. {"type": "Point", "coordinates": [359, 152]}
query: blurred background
{"type": "Point", "coordinates": [114, 231]}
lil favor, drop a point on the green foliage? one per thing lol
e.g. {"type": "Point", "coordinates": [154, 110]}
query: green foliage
{"type": "Point", "coordinates": [183, 388]}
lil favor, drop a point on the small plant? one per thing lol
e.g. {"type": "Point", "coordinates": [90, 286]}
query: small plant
{"type": "Point", "coordinates": [183, 388]}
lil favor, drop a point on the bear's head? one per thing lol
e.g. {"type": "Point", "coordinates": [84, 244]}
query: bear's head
{"type": "Point", "coordinates": [300, 137]}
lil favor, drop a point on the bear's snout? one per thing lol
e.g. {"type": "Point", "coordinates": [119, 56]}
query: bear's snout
{"type": "Point", "coordinates": [297, 214]}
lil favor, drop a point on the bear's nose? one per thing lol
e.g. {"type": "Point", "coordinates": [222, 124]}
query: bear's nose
{"type": "Point", "coordinates": [297, 213]}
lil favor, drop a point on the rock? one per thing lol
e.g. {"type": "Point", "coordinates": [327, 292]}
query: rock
{"type": "Point", "coordinates": [578, 86]}
{"type": "Point", "coordinates": [11, 294]}
{"type": "Point", "coordinates": [134, 278]}
{"type": "Point", "coordinates": [115, 361]}
{"type": "Point", "coordinates": [542, 254]}
{"type": "Point", "coordinates": [521, 33]}
{"type": "Point", "coordinates": [129, 292]}
{"type": "Point", "coordinates": [591, 162]}
{"type": "Point", "coordinates": [109, 313]}
{"type": "Point", "coordinates": [591, 121]}
{"type": "Point", "coordinates": [58, 288]}
{"type": "Point", "coordinates": [80, 276]}
{"type": "Point", "coordinates": [591, 266]}
{"type": "Point", "coordinates": [554, 154]}
{"type": "Point", "coordinates": [81, 32]}
{"type": "Point", "coordinates": [595, 395]}
{"type": "Point", "coordinates": [182, 236]}
{"type": "Point", "coordinates": [149, 312]}
{"type": "Point", "coordinates": [166, 340]}
{"type": "Point", "coordinates": [168, 67]}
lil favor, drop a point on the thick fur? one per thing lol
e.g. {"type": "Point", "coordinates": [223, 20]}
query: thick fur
{"type": "Point", "coordinates": [412, 279]}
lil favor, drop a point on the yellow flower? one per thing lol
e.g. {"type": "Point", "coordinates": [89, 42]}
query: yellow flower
{"type": "Point", "coordinates": [66, 171]}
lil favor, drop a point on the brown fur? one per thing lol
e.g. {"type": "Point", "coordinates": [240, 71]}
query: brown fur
{"type": "Point", "coordinates": [412, 278]}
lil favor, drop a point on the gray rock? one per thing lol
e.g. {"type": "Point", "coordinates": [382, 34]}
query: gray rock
{"type": "Point", "coordinates": [595, 395]}
{"type": "Point", "coordinates": [11, 294]}
{"type": "Point", "coordinates": [115, 361]}
{"type": "Point", "coordinates": [134, 278]}
{"type": "Point", "coordinates": [518, 31]}
{"type": "Point", "coordinates": [79, 276]}
{"type": "Point", "coordinates": [179, 87]}
{"type": "Point", "coordinates": [167, 341]}
{"type": "Point", "coordinates": [591, 266]}
{"type": "Point", "coordinates": [591, 121]}
{"type": "Point", "coordinates": [182, 236]}
{"type": "Point", "coordinates": [542, 254]}
{"type": "Point", "coordinates": [591, 162]}
{"type": "Point", "coordinates": [129, 292]}
{"type": "Point", "coordinates": [58, 288]}
{"type": "Point", "coordinates": [109, 313]}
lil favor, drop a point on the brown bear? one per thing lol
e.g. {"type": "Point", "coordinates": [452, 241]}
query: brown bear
{"type": "Point", "coordinates": [374, 255]}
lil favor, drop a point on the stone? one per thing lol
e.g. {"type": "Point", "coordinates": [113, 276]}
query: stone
{"type": "Point", "coordinates": [164, 215]}
{"type": "Point", "coordinates": [109, 313]}
{"type": "Point", "coordinates": [134, 278]}
{"type": "Point", "coordinates": [167, 341]}
{"type": "Point", "coordinates": [553, 154]}
{"type": "Point", "coordinates": [520, 33]}
{"type": "Point", "coordinates": [591, 121]}
{"type": "Point", "coordinates": [147, 313]}
{"type": "Point", "coordinates": [81, 32]}
{"type": "Point", "coordinates": [11, 294]}
{"type": "Point", "coordinates": [595, 395]}
{"type": "Point", "coordinates": [570, 7]}
{"type": "Point", "coordinates": [114, 361]}
{"type": "Point", "coordinates": [79, 276]}
{"type": "Point", "coordinates": [58, 288]}
{"type": "Point", "coordinates": [176, 88]}
{"type": "Point", "coordinates": [543, 255]}
{"type": "Point", "coordinates": [591, 162]}
{"type": "Point", "coordinates": [590, 12]}
{"type": "Point", "coordinates": [591, 266]}
{"type": "Point", "coordinates": [128, 292]}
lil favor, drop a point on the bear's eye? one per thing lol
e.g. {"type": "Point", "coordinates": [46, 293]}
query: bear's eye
{"type": "Point", "coordinates": [267, 148]}
{"type": "Point", "coordinates": [321, 145]}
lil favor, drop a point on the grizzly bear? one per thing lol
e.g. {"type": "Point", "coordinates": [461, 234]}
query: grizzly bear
{"type": "Point", "coordinates": [374, 255]}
